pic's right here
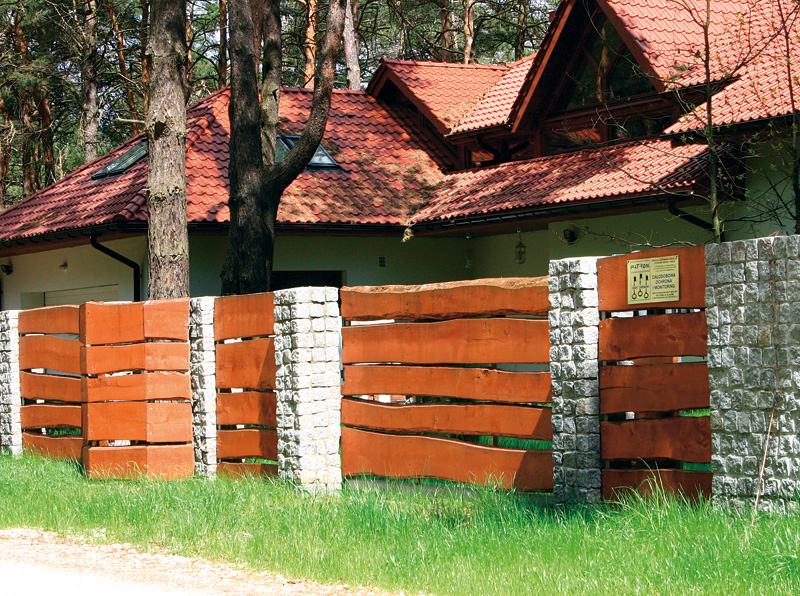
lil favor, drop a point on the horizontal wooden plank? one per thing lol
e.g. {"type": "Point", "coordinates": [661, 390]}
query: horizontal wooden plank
{"type": "Point", "coordinates": [654, 335]}
{"type": "Point", "coordinates": [449, 300]}
{"type": "Point", "coordinates": [51, 352]}
{"type": "Point", "coordinates": [50, 319]}
{"type": "Point", "coordinates": [138, 387]}
{"type": "Point", "coordinates": [166, 319]}
{"type": "Point", "coordinates": [248, 407]}
{"type": "Point", "coordinates": [612, 279]}
{"type": "Point", "coordinates": [463, 341]}
{"type": "Point", "coordinates": [457, 419]}
{"type": "Point", "coordinates": [682, 438]}
{"type": "Point", "coordinates": [247, 442]}
{"type": "Point", "coordinates": [654, 387]}
{"type": "Point", "coordinates": [617, 484]}
{"type": "Point", "coordinates": [111, 322]}
{"type": "Point", "coordinates": [244, 470]}
{"type": "Point", "coordinates": [52, 447]}
{"type": "Point", "coordinates": [50, 387]}
{"type": "Point", "coordinates": [167, 356]}
{"type": "Point", "coordinates": [466, 383]}
{"type": "Point", "coordinates": [398, 456]}
{"type": "Point", "coordinates": [251, 315]}
{"type": "Point", "coordinates": [247, 364]}
{"type": "Point", "coordinates": [160, 462]}
{"type": "Point", "coordinates": [50, 416]}
{"type": "Point", "coordinates": [160, 422]}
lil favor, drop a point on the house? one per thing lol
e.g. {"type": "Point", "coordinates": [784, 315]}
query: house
{"type": "Point", "coordinates": [438, 171]}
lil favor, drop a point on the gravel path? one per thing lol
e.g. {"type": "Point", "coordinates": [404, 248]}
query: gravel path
{"type": "Point", "coordinates": [50, 563]}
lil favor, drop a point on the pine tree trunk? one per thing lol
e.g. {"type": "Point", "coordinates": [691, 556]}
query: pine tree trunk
{"type": "Point", "coordinates": [351, 45]}
{"type": "Point", "coordinates": [168, 239]}
{"type": "Point", "coordinates": [447, 38]}
{"type": "Point", "coordinates": [222, 67]}
{"type": "Point", "coordinates": [89, 112]}
{"type": "Point", "coordinates": [469, 31]}
{"type": "Point", "coordinates": [310, 45]}
{"type": "Point", "coordinates": [46, 126]}
{"type": "Point", "coordinates": [28, 161]}
{"type": "Point", "coordinates": [5, 157]}
{"type": "Point", "coordinates": [143, 42]}
{"type": "Point", "coordinates": [123, 70]}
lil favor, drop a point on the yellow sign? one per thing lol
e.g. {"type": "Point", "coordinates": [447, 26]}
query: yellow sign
{"type": "Point", "coordinates": [654, 280]}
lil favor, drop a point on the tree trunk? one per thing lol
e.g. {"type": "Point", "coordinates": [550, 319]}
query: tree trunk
{"type": "Point", "coordinates": [143, 42]}
{"type": "Point", "coordinates": [28, 161]}
{"type": "Point", "coordinates": [447, 38]}
{"type": "Point", "coordinates": [167, 235]}
{"type": "Point", "coordinates": [310, 44]}
{"type": "Point", "coordinates": [222, 68]}
{"type": "Point", "coordinates": [123, 70]}
{"type": "Point", "coordinates": [5, 157]}
{"type": "Point", "coordinates": [89, 112]}
{"type": "Point", "coordinates": [351, 45]}
{"type": "Point", "coordinates": [188, 86]}
{"type": "Point", "coordinates": [46, 127]}
{"type": "Point", "coordinates": [469, 31]}
{"type": "Point", "coordinates": [522, 28]}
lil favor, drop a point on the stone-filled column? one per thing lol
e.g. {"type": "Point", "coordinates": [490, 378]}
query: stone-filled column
{"type": "Point", "coordinates": [202, 363]}
{"type": "Point", "coordinates": [10, 396]}
{"type": "Point", "coordinates": [753, 313]}
{"type": "Point", "coordinates": [574, 320]}
{"type": "Point", "coordinates": [308, 386]}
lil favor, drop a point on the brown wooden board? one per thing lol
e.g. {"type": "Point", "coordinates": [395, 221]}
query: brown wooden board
{"type": "Point", "coordinates": [160, 462]}
{"type": "Point", "coordinates": [248, 407]}
{"type": "Point", "coordinates": [50, 319]}
{"type": "Point", "coordinates": [682, 438]}
{"type": "Point", "coordinates": [403, 456]}
{"type": "Point", "coordinates": [466, 383]}
{"type": "Point", "coordinates": [456, 419]}
{"type": "Point", "coordinates": [449, 300]}
{"type": "Point", "coordinates": [50, 416]}
{"type": "Point", "coordinates": [250, 315]}
{"type": "Point", "coordinates": [140, 387]}
{"type": "Point", "coordinates": [612, 279]}
{"type": "Point", "coordinates": [618, 484]}
{"type": "Point", "coordinates": [51, 352]}
{"type": "Point", "coordinates": [464, 341]}
{"type": "Point", "coordinates": [50, 387]}
{"type": "Point", "coordinates": [53, 447]}
{"type": "Point", "coordinates": [244, 470]}
{"type": "Point", "coordinates": [654, 387]}
{"type": "Point", "coordinates": [111, 323]}
{"type": "Point", "coordinates": [168, 356]}
{"type": "Point", "coordinates": [161, 422]}
{"type": "Point", "coordinates": [166, 319]}
{"type": "Point", "coordinates": [247, 442]}
{"type": "Point", "coordinates": [247, 364]}
{"type": "Point", "coordinates": [654, 335]}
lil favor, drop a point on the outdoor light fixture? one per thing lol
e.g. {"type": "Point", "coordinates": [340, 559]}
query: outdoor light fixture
{"type": "Point", "coordinates": [468, 258]}
{"type": "Point", "coordinates": [63, 266]}
{"type": "Point", "coordinates": [571, 236]}
{"type": "Point", "coordinates": [7, 269]}
{"type": "Point", "coordinates": [521, 249]}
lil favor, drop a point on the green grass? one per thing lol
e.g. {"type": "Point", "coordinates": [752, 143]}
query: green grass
{"type": "Point", "coordinates": [476, 543]}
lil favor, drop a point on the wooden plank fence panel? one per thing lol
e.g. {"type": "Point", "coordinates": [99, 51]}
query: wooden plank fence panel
{"type": "Point", "coordinates": [450, 300]}
{"type": "Point", "coordinates": [134, 357]}
{"type": "Point", "coordinates": [146, 386]}
{"type": "Point", "coordinates": [248, 407]}
{"type": "Point", "coordinates": [161, 462]}
{"type": "Point", "coordinates": [682, 438]}
{"type": "Point", "coordinates": [475, 419]}
{"type": "Point", "coordinates": [612, 275]}
{"type": "Point", "coordinates": [654, 335]}
{"type": "Point", "coordinates": [465, 383]}
{"type": "Point", "coordinates": [67, 447]}
{"type": "Point", "coordinates": [50, 319]}
{"type": "Point", "coordinates": [241, 470]}
{"type": "Point", "coordinates": [166, 319]}
{"type": "Point", "coordinates": [111, 323]}
{"type": "Point", "coordinates": [251, 315]}
{"type": "Point", "coordinates": [247, 364]}
{"type": "Point", "coordinates": [247, 442]}
{"type": "Point", "coordinates": [50, 387]}
{"type": "Point", "coordinates": [654, 387]}
{"type": "Point", "coordinates": [619, 483]}
{"type": "Point", "coordinates": [464, 341]}
{"type": "Point", "coordinates": [51, 352]}
{"type": "Point", "coordinates": [161, 422]}
{"type": "Point", "coordinates": [400, 456]}
{"type": "Point", "coordinates": [50, 416]}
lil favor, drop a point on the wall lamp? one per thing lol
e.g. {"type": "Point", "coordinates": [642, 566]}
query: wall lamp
{"type": "Point", "coordinates": [571, 236]}
{"type": "Point", "coordinates": [7, 269]}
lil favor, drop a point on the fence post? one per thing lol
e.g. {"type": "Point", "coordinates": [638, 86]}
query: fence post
{"type": "Point", "coordinates": [574, 320]}
{"type": "Point", "coordinates": [202, 366]}
{"type": "Point", "coordinates": [308, 387]}
{"type": "Point", "coordinates": [10, 393]}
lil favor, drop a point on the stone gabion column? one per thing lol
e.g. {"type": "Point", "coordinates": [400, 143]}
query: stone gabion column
{"type": "Point", "coordinates": [202, 364]}
{"type": "Point", "coordinates": [10, 396]}
{"type": "Point", "coordinates": [308, 386]}
{"type": "Point", "coordinates": [574, 320]}
{"type": "Point", "coordinates": [753, 313]}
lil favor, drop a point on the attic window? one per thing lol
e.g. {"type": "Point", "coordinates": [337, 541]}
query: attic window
{"type": "Point", "coordinates": [321, 158]}
{"type": "Point", "coordinates": [123, 162]}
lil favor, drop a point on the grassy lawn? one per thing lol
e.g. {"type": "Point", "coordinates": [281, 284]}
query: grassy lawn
{"type": "Point", "coordinates": [449, 543]}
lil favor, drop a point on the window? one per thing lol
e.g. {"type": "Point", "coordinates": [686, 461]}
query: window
{"type": "Point", "coordinates": [123, 162]}
{"type": "Point", "coordinates": [321, 158]}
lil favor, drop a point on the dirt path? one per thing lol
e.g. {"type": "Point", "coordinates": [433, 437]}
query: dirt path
{"type": "Point", "coordinates": [61, 559]}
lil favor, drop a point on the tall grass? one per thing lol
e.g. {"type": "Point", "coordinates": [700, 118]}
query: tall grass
{"type": "Point", "coordinates": [482, 542]}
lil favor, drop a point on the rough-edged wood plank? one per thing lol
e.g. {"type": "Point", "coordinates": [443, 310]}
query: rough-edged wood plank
{"type": "Point", "coordinates": [463, 341]}
{"type": "Point", "coordinates": [48, 351]}
{"type": "Point", "coordinates": [449, 300]}
{"type": "Point", "coordinates": [170, 462]}
{"type": "Point", "coordinates": [398, 456]}
{"type": "Point", "coordinates": [247, 364]}
{"type": "Point", "coordinates": [50, 319]}
{"type": "Point", "coordinates": [53, 447]}
{"type": "Point", "coordinates": [160, 462]}
{"type": "Point", "coordinates": [50, 387]}
{"type": "Point", "coordinates": [456, 419]}
{"type": "Point", "coordinates": [168, 356]}
{"type": "Point", "coordinates": [169, 422]}
{"type": "Point", "coordinates": [466, 383]}
{"type": "Point", "coordinates": [654, 387]}
{"type": "Point", "coordinates": [250, 315]}
{"type": "Point", "coordinates": [248, 407]}
{"type": "Point", "coordinates": [139, 387]}
{"type": "Point", "coordinates": [682, 438]}
{"type": "Point", "coordinates": [243, 470]}
{"type": "Point", "coordinates": [166, 319]}
{"type": "Point", "coordinates": [111, 323]}
{"type": "Point", "coordinates": [50, 416]}
{"type": "Point", "coordinates": [612, 279]}
{"type": "Point", "coordinates": [247, 442]}
{"type": "Point", "coordinates": [654, 335]}
{"type": "Point", "coordinates": [618, 484]}
{"type": "Point", "coordinates": [161, 422]}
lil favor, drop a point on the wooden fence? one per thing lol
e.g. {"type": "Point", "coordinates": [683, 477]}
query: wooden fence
{"type": "Point", "coordinates": [246, 403]}
{"type": "Point", "coordinates": [444, 356]}
{"type": "Point", "coordinates": [649, 393]}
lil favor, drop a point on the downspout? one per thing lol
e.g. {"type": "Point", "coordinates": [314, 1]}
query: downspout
{"type": "Point", "coordinates": [137, 272]}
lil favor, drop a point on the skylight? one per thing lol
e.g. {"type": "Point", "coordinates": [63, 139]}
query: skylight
{"type": "Point", "coordinates": [321, 158]}
{"type": "Point", "coordinates": [123, 162]}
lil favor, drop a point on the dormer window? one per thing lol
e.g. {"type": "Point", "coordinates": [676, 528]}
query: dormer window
{"type": "Point", "coordinates": [123, 162]}
{"type": "Point", "coordinates": [321, 158]}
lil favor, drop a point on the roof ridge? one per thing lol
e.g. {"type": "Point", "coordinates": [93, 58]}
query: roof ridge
{"type": "Point", "coordinates": [445, 64]}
